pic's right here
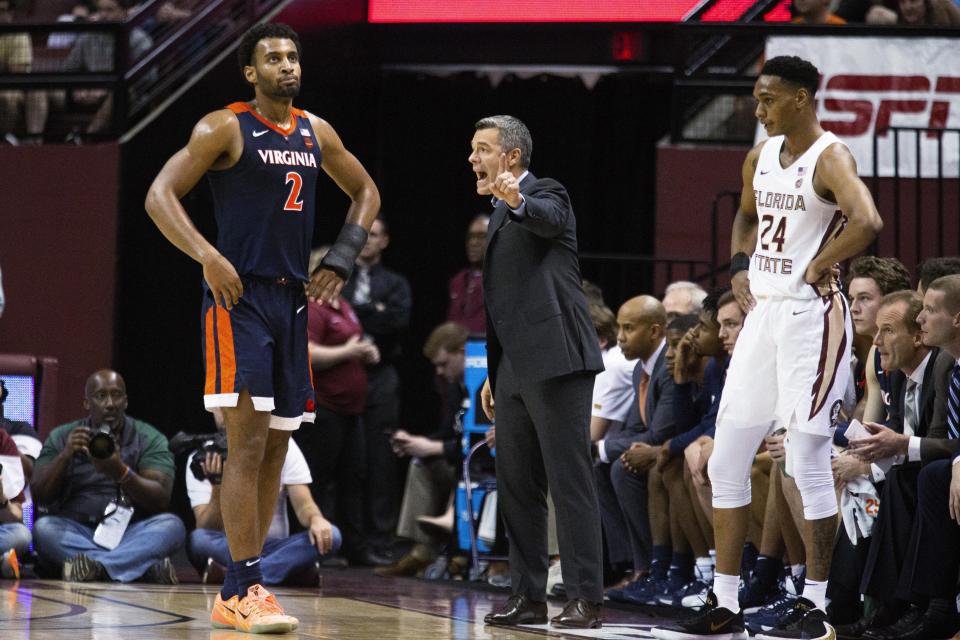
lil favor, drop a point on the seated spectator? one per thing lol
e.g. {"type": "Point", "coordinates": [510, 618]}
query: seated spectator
{"type": "Point", "coordinates": [93, 51]}
{"type": "Point", "coordinates": [930, 270]}
{"type": "Point", "coordinates": [26, 439]}
{"type": "Point", "coordinates": [914, 435]}
{"type": "Point", "coordinates": [80, 12]}
{"type": "Point", "coordinates": [465, 289]}
{"type": "Point", "coordinates": [286, 559]}
{"type": "Point", "coordinates": [79, 492]}
{"type": "Point", "coordinates": [934, 553]}
{"type": "Point", "coordinates": [16, 56]}
{"type": "Point", "coordinates": [613, 387]}
{"type": "Point", "coordinates": [14, 536]}
{"type": "Point", "coordinates": [623, 494]}
{"type": "Point", "coordinates": [869, 279]}
{"type": "Point", "coordinates": [941, 13]}
{"type": "Point", "coordinates": [814, 12]}
{"type": "Point", "coordinates": [699, 369]}
{"type": "Point", "coordinates": [683, 298]}
{"type": "Point", "coordinates": [435, 459]}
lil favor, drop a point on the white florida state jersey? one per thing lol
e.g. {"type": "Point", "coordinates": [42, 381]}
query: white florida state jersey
{"type": "Point", "coordinates": [795, 223]}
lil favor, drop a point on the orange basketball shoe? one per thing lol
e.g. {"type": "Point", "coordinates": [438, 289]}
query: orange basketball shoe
{"type": "Point", "coordinates": [224, 614]}
{"type": "Point", "coordinates": [9, 566]}
{"type": "Point", "coordinates": [259, 612]}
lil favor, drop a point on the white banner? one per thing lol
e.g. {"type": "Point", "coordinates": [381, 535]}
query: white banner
{"type": "Point", "coordinates": [870, 84]}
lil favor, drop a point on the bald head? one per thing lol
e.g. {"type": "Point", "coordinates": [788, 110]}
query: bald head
{"type": "Point", "coordinates": [644, 309]}
{"type": "Point", "coordinates": [640, 327]}
{"type": "Point", "coordinates": [101, 378]}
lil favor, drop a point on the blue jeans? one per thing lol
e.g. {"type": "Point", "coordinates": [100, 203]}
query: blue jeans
{"type": "Point", "coordinates": [14, 535]}
{"type": "Point", "coordinates": [144, 543]}
{"type": "Point", "coordinates": [281, 556]}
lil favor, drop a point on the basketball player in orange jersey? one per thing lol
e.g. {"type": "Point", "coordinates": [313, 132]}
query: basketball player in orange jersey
{"type": "Point", "coordinates": [262, 159]}
{"type": "Point", "coordinates": [802, 210]}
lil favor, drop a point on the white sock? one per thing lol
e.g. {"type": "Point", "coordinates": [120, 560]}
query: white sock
{"type": "Point", "coordinates": [726, 589]}
{"type": "Point", "coordinates": [816, 592]}
{"type": "Point", "coordinates": [705, 569]}
{"type": "Point", "coordinates": [713, 556]}
{"type": "Point", "coordinates": [796, 570]}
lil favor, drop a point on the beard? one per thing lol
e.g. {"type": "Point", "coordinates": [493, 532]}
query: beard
{"type": "Point", "coordinates": [281, 91]}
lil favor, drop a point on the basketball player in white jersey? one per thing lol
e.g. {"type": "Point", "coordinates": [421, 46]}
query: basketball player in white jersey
{"type": "Point", "coordinates": [803, 209]}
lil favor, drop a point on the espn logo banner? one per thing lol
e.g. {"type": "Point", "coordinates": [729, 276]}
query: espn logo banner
{"type": "Point", "coordinates": [870, 84]}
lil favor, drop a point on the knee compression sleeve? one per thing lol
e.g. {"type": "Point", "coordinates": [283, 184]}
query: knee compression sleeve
{"type": "Point", "coordinates": [810, 458]}
{"type": "Point", "coordinates": [731, 463]}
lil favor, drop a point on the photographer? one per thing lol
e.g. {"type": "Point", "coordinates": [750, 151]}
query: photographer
{"type": "Point", "coordinates": [14, 536]}
{"type": "Point", "coordinates": [90, 475]}
{"type": "Point", "coordinates": [286, 559]}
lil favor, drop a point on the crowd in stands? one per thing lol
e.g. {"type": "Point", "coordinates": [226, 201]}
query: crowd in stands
{"type": "Point", "coordinates": [87, 113]}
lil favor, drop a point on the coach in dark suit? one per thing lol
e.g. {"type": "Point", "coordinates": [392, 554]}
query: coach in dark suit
{"type": "Point", "coordinates": [542, 355]}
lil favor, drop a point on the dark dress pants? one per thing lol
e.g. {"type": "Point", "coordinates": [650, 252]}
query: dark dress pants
{"type": "Point", "coordinates": [615, 534]}
{"type": "Point", "coordinates": [543, 439]}
{"type": "Point", "coordinates": [936, 554]}
{"type": "Point", "coordinates": [382, 488]}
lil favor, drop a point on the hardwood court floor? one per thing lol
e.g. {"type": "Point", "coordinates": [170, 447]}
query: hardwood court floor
{"type": "Point", "coordinates": [352, 605]}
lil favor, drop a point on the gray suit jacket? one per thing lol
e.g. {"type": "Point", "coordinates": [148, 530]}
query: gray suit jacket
{"type": "Point", "coordinates": [536, 311]}
{"type": "Point", "coordinates": [659, 409]}
{"type": "Point", "coordinates": [936, 445]}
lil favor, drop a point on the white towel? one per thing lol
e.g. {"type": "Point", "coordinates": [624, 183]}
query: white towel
{"type": "Point", "coordinates": [859, 503]}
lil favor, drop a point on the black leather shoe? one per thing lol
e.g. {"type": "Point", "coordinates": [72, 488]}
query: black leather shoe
{"type": "Point", "coordinates": [930, 628]}
{"type": "Point", "coordinates": [518, 610]}
{"type": "Point", "coordinates": [907, 622]}
{"type": "Point", "coordinates": [880, 618]}
{"type": "Point", "coordinates": [578, 614]}
{"type": "Point", "coordinates": [370, 558]}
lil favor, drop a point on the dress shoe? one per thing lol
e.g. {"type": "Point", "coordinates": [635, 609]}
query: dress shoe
{"type": "Point", "coordinates": [907, 622]}
{"type": "Point", "coordinates": [213, 573]}
{"type": "Point", "coordinates": [932, 628]}
{"type": "Point", "coordinates": [441, 524]}
{"type": "Point", "coordinates": [369, 558]}
{"type": "Point", "coordinates": [419, 558]}
{"type": "Point", "coordinates": [518, 610]}
{"type": "Point", "coordinates": [880, 617]}
{"type": "Point", "coordinates": [578, 614]}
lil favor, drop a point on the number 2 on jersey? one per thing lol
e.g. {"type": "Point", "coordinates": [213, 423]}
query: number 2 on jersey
{"type": "Point", "coordinates": [294, 203]}
{"type": "Point", "coordinates": [779, 235]}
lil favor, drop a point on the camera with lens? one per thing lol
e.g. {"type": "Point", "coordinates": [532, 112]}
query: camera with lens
{"type": "Point", "coordinates": [102, 443]}
{"type": "Point", "coordinates": [202, 444]}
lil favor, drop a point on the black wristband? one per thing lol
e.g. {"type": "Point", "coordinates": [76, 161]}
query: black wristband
{"type": "Point", "coordinates": [343, 254]}
{"type": "Point", "coordinates": [739, 262]}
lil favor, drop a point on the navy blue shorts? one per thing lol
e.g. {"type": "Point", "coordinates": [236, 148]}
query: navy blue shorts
{"type": "Point", "coordinates": [260, 345]}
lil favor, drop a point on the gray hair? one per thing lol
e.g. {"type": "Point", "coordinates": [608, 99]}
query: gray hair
{"type": "Point", "coordinates": [513, 134]}
{"type": "Point", "coordinates": [695, 291]}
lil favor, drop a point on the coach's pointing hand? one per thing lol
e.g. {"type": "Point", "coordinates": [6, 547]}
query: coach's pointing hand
{"type": "Point", "coordinates": [505, 186]}
{"type": "Point", "coordinates": [223, 281]}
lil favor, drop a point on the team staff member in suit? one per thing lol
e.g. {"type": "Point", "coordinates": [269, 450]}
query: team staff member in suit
{"type": "Point", "coordinates": [542, 355]}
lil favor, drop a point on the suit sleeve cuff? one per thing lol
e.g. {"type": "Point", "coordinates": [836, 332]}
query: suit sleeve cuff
{"type": "Point", "coordinates": [913, 449]}
{"type": "Point", "coordinates": [520, 211]}
{"type": "Point", "coordinates": [602, 450]}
